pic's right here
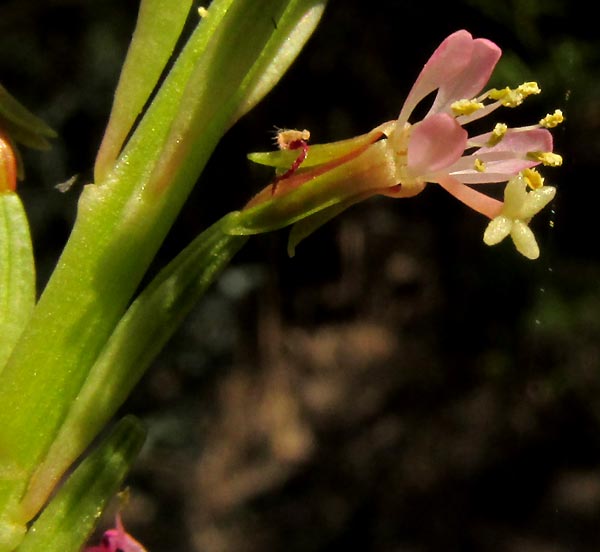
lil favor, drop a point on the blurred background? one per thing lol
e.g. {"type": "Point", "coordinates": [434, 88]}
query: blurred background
{"type": "Point", "coordinates": [397, 385]}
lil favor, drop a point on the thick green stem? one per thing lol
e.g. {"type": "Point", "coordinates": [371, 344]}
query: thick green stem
{"type": "Point", "coordinates": [141, 333]}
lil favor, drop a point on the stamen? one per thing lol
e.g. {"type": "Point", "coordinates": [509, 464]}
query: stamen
{"type": "Point", "coordinates": [552, 120]}
{"type": "Point", "coordinates": [497, 134]}
{"type": "Point", "coordinates": [465, 107]}
{"type": "Point", "coordinates": [533, 178]}
{"type": "Point", "coordinates": [479, 165]}
{"type": "Point", "coordinates": [512, 97]}
{"type": "Point", "coordinates": [546, 158]}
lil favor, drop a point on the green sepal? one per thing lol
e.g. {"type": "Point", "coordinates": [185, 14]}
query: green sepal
{"type": "Point", "coordinates": [318, 154]}
{"type": "Point", "coordinates": [361, 173]}
{"type": "Point", "coordinates": [68, 520]}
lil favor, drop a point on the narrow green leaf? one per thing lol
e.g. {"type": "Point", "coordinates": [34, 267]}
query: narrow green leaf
{"type": "Point", "coordinates": [68, 520]}
{"type": "Point", "coordinates": [158, 28]}
{"type": "Point", "coordinates": [293, 27]}
{"type": "Point", "coordinates": [141, 333]}
{"type": "Point", "coordinates": [21, 124]}
{"type": "Point", "coordinates": [240, 51]}
{"type": "Point", "coordinates": [17, 273]}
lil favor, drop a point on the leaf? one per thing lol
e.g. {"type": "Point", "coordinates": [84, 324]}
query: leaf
{"type": "Point", "coordinates": [68, 520]}
{"type": "Point", "coordinates": [158, 28]}
{"type": "Point", "coordinates": [17, 273]}
{"type": "Point", "coordinates": [21, 124]}
{"type": "Point", "coordinates": [293, 27]}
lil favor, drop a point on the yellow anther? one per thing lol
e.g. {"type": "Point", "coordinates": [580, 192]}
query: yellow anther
{"type": "Point", "coordinates": [546, 158]}
{"type": "Point", "coordinates": [465, 107]}
{"type": "Point", "coordinates": [533, 178]}
{"type": "Point", "coordinates": [512, 97]}
{"type": "Point", "coordinates": [497, 134]}
{"type": "Point", "coordinates": [479, 165]}
{"type": "Point", "coordinates": [552, 120]}
{"type": "Point", "coordinates": [202, 12]}
{"type": "Point", "coordinates": [528, 89]}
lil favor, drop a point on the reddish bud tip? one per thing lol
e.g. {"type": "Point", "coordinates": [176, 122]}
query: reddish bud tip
{"type": "Point", "coordinates": [8, 165]}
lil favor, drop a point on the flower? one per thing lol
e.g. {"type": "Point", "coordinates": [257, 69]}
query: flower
{"type": "Point", "coordinates": [439, 149]}
{"type": "Point", "coordinates": [117, 540]}
{"type": "Point", "coordinates": [518, 209]}
{"type": "Point", "coordinates": [399, 158]}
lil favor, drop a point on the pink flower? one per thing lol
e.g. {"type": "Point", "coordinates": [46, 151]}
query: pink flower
{"type": "Point", "coordinates": [439, 148]}
{"type": "Point", "coordinates": [400, 157]}
{"type": "Point", "coordinates": [117, 540]}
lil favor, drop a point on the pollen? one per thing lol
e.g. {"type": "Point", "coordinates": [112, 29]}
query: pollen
{"type": "Point", "coordinates": [286, 137]}
{"type": "Point", "coordinates": [512, 97]}
{"type": "Point", "coordinates": [533, 178]}
{"type": "Point", "coordinates": [479, 165]}
{"type": "Point", "coordinates": [546, 158]}
{"type": "Point", "coordinates": [552, 120]}
{"type": "Point", "coordinates": [497, 134]}
{"type": "Point", "coordinates": [465, 107]}
{"type": "Point", "coordinates": [202, 12]}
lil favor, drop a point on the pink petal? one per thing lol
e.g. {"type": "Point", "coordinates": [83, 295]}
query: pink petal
{"type": "Point", "coordinates": [467, 162]}
{"type": "Point", "coordinates": [434, 144]}
{"type": "Point", "coordinates": [499, 166]}
{"type": "Point", "coordinates": [505, 159]}
{"type": "Point", "coordinates": [522, 142]}
{"type": "Point", "coordinates": [449, 59]}
{"type": "Point", "coordinates": [477, 201]}
{"type": "Point", "coordinates": [490, 176]}
{"type": "Point", "coordinates": [470, 81]}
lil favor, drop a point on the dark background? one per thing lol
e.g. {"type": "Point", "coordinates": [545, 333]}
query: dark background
{"type": "Point", "coordinates": [397, 385]}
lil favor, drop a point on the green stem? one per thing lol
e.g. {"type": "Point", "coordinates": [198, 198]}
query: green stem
{"type": "Point", "coordinates": [140, 335]}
